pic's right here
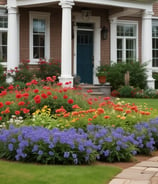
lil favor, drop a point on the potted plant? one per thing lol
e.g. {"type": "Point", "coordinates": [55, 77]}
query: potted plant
{"type": "Point", "coordinates": [101, 73]}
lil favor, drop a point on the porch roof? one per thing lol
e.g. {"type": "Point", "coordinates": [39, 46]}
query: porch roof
{"type": "Point", "coordinates": [137, 4]}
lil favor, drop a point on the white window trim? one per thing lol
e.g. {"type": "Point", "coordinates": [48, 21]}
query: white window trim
{"type": "Point", "coordinates": [125, 22]}
{"type": "Point", "coordinates": [46, 16]}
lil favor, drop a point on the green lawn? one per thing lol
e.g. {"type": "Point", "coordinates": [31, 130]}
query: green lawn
{"type": "Point", "coordinates": [153, 103]}
{"type": "Point", "coordinates": [20, 173]}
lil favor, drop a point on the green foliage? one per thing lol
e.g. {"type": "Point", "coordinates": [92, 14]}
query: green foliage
{"type": "Point", "coordinates": [131, 92]}
{"type": "Point", "coordinates": [47, 69]}
{"type": "Point", "coordinates": [155, 76]}
{"type": "Point", "coordinates": [101, 70]}
{"type": "Point", "coordinates": [117, 71]}
{"type": "Point", "coordinates": [3, 83]}
{"type": "Point", "coordinates": [21, 74]}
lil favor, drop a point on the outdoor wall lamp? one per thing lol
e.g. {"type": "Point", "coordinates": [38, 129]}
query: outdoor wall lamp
{"type": "Point", "coordinates": [104, 33]}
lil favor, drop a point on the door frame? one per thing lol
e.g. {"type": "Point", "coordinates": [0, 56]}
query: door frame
{"type": "Point", "coordinates": [78, 18]}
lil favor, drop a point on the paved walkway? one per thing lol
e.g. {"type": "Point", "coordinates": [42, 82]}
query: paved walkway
{"type": "Point", "coordinates": [145, 172]}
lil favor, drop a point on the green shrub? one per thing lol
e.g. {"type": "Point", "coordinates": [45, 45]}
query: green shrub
{"type": "Point", "coordinates": [136, 70]}
{"type": "Point", "coordinates": [48, 69]}
{"type": "Point", "coordinates": [125, 91]}
{"type": "Point", "coordinates": [2, 78]}
{"type": "Point", "coordinates": [21, 74]}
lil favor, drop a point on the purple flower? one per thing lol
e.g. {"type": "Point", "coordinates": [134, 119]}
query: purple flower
{"type": "Point", "coordinates": [10, 147]}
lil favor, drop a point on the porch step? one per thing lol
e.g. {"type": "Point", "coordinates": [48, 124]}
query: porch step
{"type": "Point", "coordinates": [98, 90]}
{"type": "Point", "coordinates": [97, 93]}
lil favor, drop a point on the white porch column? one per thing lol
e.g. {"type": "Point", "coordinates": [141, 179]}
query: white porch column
{"type": "Point", "coordinates": [113, 46]}
{"type": "Point", "coordinates": [66, 51]}
{"type": "Point", "coordinates": [13, 38]}
{"type": "Point", "coordinates": [97, 48]}
{"type": "Point", "coordinates": [147, 46]}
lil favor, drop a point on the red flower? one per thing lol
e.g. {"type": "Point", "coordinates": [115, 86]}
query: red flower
{"type": "Point", "coordinates": [7, 110]}
{"type": "Point", "coordinates": [107, 98]}
{"type": "Point", "coordinates": [3, 93]}
{"type": "Point", "coordinates": [106, 117]}
{"type": "Point", "coordinates": [28, 84]}
{"type": "Point", "coordinates": [49, 93]}
{"type": "Point", "coordinates": [11, 87]}
{"type": "Point", "coordinates": [43, 95]}
{"type": "Point", "coordinates": [65, 97]}
{"type": "Point", "coordinates": [35, 90]}
{"type": "Point", "coordinates": [55, 97]}
{"type": "Point", "coordinates": [65, 89]}
{"type": "Point", "coordinates": [1, 104]}
{"type": "Point", "coordinates": [38, 101]}
{"type": "Point", "coordinates": [90, 119]}
{"type": "Point", "coordinates": [25, 111]}
{"type": "Point", "coordinates": [18, 95]}
{"type": "Point", "coordinates": [17, 112]}
{"type": "Point", "coordinates": [75, 106]}
{"type": "Point", "coordinates": [34, 82]}
{"type": "Point", "coordinates": [59, 84]}
{"type": "Point", "coordinates": [0, 118]}
{"type": "Point", "coordinates": [21, 103]}
{"type": "Point", "coordinates": [25, 95]}
{"type": "Point", "coordinates": [7, 102]}
{"type": "Point", "coordinates": [37, 97]}
{"type": "Point", "coordinates": [70, 101]}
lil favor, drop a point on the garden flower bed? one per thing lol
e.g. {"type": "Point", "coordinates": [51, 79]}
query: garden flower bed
{"type": "Point", "coordinates": [49, 124]}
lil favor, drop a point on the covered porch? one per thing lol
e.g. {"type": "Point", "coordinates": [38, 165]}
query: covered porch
{"type": "Point", "coordinates": [83, 34]}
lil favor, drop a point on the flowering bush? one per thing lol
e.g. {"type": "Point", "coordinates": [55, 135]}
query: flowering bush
{"type": "Point", "coordinates": [76, 146]}
{"type": "Point", "coordinates": [36, 144]}
{"type": "Point", "coordinates": [51, 68]}
{"type": "Point", "coordinates": [129, 91]}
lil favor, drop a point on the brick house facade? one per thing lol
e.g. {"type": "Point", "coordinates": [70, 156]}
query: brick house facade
{"type": "Point", "coordinates": [83, 34]}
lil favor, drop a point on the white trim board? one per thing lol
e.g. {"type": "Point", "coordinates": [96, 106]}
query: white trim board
{"type": "Point", "coordinates": [46, 16]}
{"type": "Point", "coordinates": [96, 44]}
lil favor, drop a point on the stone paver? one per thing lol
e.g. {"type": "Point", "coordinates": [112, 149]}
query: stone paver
{"type": "Point", "coordinates": [145, 172]}
{"type": "Point", "coordinates": [154, 180]}
{"type": "Point", "coordinates": [147, 164]}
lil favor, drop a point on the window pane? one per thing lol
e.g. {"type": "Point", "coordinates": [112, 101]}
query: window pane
{"type": "Point", "coordinates": [38, 38]}
{"type": "Point", "coordinates": [130, 44]}
{"type": "Point", "coordinates": [3, 22]}
{"type": "Point", "coordinates": [41, 50]}
{"type": "Point", "coordinates": [119, 56]}
{"type": "Point", "coordinates": [130, 30]}
{"type": "Point", "coordinates": [36, 52]}
{"type": "Point", "coordinates": [41, 26]}
{"type": "Point", "coordinates": [120, 31]}
{"type": "Point", "coordinates": [155, 43]}
{"type": "Point", "coordinates": [155, 62]}
{"type": "Point", "coordinates": [119, 44]}
{"type": "Point", "coordinates": [3, 46]}
{"type": "Point", "coordinates": [155, 53]}
{"type": "Point", "coordinates": [130, 49]}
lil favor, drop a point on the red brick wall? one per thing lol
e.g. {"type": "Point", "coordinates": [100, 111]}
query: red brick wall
{"type": "Point", "coordinates": [155, 9]}
{"type": "Point", "coordinates": [55, 32]}
{"type": "Point", "coordinates": [3, 2]}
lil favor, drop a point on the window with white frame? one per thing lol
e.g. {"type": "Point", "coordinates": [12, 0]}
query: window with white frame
{"type": "Point", "coordinates": [126, 42]}
{"type": "Point", "coordinates": [39, 36]}
{"type": "Point", "coordinates": [3, 38]}
{"type": "Point", "coordinates": [155, 43]}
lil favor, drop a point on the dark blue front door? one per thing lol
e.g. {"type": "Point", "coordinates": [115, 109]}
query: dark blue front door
{"type": "Point", "coordinates": [85, 56]}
